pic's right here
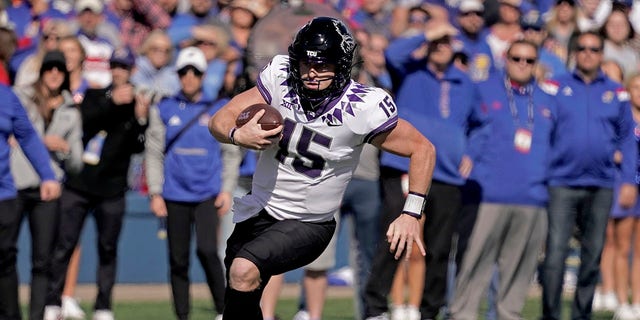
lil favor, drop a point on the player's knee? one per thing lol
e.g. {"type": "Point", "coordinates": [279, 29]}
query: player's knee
{"type": "Point", "coordinates": [243, 275]}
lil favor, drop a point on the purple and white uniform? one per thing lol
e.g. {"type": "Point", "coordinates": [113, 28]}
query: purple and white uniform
{"type": "Point", "coordinates": [305, 176]}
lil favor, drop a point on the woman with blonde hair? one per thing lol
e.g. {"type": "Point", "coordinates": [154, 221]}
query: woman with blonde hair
{"type": "Point", "coordinates": [561, 26]}
{"type": "Point", "coordinates": [75, 55]}
{"type": "Point", "coordinates": [604, 298]}
{"type": "Point", "coordinates": [627, 233]}
{"type": "Point", "coordinates": [154, 74]}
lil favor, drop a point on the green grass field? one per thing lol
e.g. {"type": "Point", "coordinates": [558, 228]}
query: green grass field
{"type": "Point", "coordinates": [336, 309]}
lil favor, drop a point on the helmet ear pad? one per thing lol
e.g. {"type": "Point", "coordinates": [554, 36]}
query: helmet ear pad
{"type": "Point", "coordinates": [326, 40]}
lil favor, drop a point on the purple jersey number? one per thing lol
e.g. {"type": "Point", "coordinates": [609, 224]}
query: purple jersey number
{"type": "Point", "coordinates": [307, 137]}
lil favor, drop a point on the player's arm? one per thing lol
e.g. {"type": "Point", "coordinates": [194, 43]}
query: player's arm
{"type": "Point", "coordinates": [223, 123]}
{"type": "Point", "coordinates": [225, 119]}
{"type": "Point", "coordinates": [407, 141]}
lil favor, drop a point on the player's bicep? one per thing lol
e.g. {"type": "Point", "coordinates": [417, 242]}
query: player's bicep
{"type": "Point", "coordinates": [401, 140]}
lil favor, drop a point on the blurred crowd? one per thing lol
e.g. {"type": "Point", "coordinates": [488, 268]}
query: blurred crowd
{"type": "Point", "coordinates": [69, 63]}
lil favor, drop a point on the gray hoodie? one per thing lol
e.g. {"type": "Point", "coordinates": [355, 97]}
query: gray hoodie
{"type": "Point", "coordinates": [66, 123]}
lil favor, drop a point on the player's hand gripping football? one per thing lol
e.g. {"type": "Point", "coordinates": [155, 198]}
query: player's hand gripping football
{"type": "Point", "coordinates": [252, 136]}
{"type": "Point", "coordinates": [401, 235]}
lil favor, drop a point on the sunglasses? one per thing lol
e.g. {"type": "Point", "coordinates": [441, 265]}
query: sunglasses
{"type": "Point", "coordinates": [50, 66]}
{"type": "Point", "coordinates": [183, 72]}
{"type": "Point", "coordinates": [517, 59]}
{"type": "Point", "coordinates": [206, 43]}
{"type": "Point", "coordinates": [52, 37]}
{"type": "Point", "coordinates": [534, 28]}
{"type": "Point", "coordinates": [446, 40]}
{"type": "Point", "coordinates": [590, 49]}
{"type": "Point", "coordinates": [160, 50]}
{"type": "Point", "coordinates": [119, 65]}
{"type": "Point", "coordinates": [418, 19]}
{"type": "Point", "coordinates": [472, 13]}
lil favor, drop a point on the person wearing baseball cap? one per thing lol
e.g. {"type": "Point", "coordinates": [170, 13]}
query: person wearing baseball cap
{"type": "Point", "coordinates": [472, 41]}
{"type": "Point", "coordinates": [549, 64]}
{"type": "Point", "coordinates": [187, 179]}
{"type": "Point", "coordinates": [122, 57]}
{"type": "Point", "coordinates": [99, 38]}
{"type": "Point", "coordinates": [191, 57]}
{"type": "Point", "coordinates": [113, 124]}
{"type": "Point", "coordinates": [121, 64]}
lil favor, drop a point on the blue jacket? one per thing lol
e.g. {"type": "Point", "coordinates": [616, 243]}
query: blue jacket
{"type": "Point", "coordinates": [479, 54]}
{"type": "Point", "coordinates": [594, 120]}
{"type": "Point", "coordinates": [444, 110]}
{"type": "Point", "coordinates": [14, 121]}
{"type": "Point", "coordinates": [553, 63]}
{"type": "Point", "coordinates": [193, 164]}
{"type": "Point", "coordinates": [214, 78]}
{"type": "Point", "coordinates": [181, 24]}
{"type": "Point", "coordinates": [508, 175]}
{"type": "Point", "coordinates": [163, 82]}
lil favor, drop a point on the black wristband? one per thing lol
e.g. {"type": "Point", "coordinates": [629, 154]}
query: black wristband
{"type": "Point", "coordinates": [231, 133]}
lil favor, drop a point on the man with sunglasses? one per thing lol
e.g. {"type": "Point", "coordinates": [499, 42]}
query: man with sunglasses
{"type": "Point", "coordinates": [113, 124]}
{"type": "Point", "coordinates": [472, 38]}
{"type": "Point", "coordinates": [440, 101]}
{"type": "Point", "coordinates": [191, 178]}
{"type": "Point", "coordinates": [512, 149]}
{"type": "Point", "coordinates": [594, 121]}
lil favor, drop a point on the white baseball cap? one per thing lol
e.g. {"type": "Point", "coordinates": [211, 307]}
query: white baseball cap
{"type": "Point", "coordinates": [470, 5]}
{"type": "Point", "coordinates": [191, 56]}
{"type": "Point", "coordinates": [95, 6]}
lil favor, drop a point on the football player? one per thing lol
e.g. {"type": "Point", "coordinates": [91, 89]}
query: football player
{"type": "Point", "coordinates": [286, 221]}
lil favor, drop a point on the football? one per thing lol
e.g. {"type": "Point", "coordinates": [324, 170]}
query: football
{"type": "Point", "coordinates": [269, 120]}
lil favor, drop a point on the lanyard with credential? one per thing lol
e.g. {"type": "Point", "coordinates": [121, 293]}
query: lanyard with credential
{"type": "Point", "coordinates": [523, 136]}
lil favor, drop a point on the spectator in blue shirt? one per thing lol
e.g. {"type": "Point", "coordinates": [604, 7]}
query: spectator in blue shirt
{"type": "Point", "coordinates": [511, 171]}
{"type": "Point", "coordinates": [435, 97]}
{"type": "Point", "coordinates": [200, 12]}
{"type": "Point", "coordinates": [594, 120]}
{"type": "Point", "coordinates": [187, 180]}
{"type": "Point", "coordinates": [472, 39]}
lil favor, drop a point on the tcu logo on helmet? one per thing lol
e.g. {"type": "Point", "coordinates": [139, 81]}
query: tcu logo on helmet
{"type": "Point", "coordinates": [312, 54]}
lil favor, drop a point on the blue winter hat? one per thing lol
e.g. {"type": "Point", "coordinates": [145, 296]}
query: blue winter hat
{"type": "Point", "coordinates": [123, 56]}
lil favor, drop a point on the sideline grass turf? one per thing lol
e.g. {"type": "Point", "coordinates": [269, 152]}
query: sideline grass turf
{"type": "Point", "coordinates": [335, 309]}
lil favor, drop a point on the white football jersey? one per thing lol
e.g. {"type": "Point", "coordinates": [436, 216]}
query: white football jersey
{"type": "Point", "coordinates": [305, 176]}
